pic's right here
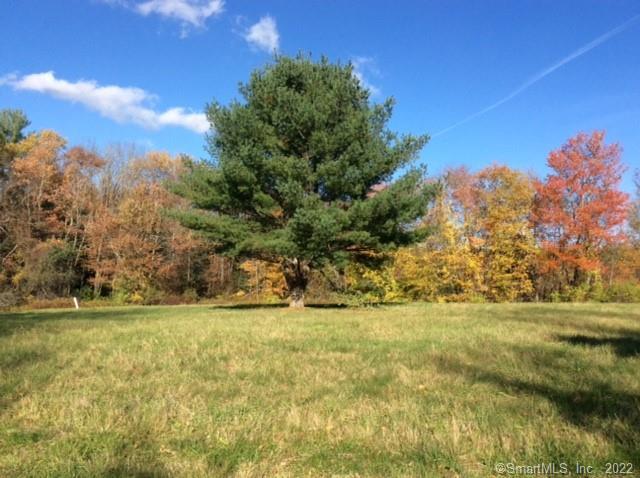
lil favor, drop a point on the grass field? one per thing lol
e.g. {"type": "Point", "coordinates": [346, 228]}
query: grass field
{"type": "Point", "coordinates": [419, 390]}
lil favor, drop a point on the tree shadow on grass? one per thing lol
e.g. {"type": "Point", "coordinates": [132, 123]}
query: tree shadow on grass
{"type": "Point", "coordinates": [126, 471]}
{"type": "Point", "coordinates": [583, 319]}
{"type": "Point", "coordinates": [19, 362]}
{"type": "Point", "coordinates": [278, 305]}
{"type": "Point", "coordinates": [594, 408]}
{"type": "Point", "coordinates": [623, 346]}
{"type": "Point", "coordinates": [312, 305]}
{"type": "Point", "coordinates": [597, 407]}
{"type": "Point", "coordinates": [136, 455]}
{"type": "Point", "coordinates": [249, 306]}
{"type": "Point", "coordinates": [19, 322]}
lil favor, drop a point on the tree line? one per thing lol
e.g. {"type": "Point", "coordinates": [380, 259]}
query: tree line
{"type": "Point", "coordinates": [308, 192]}
{"type": "Point", "coordinates": [502, 235]}
{"type": "Point", "coordinates": [94, 225]}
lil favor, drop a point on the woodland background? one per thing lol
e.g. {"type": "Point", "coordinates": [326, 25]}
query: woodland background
{"type": "Point", "coordinates": [76, 221]}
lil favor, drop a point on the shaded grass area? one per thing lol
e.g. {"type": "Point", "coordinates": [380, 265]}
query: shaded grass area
{"type": "Point", "coordinates": [417, 390]}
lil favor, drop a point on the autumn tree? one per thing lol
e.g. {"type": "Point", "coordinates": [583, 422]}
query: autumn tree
{"type": "Point", "coordinates": [34, 179]}
{"type": "Point", "coordinates": [38, 263]}
{"type": "Point", "coordinates": [135, 248]}
{"type": "Point", "coordinates": [293, 165]}
{"type": "Point", "coordinates": [621, 260]}
{"type": "Point", "coordinates": [501, 207]}
{"type": "Point", "coordinates": [12, 126]}
{"type": "Point", "coordinates": [75, 198]}
{"type": "Point", "coordinates": [634, 212]}
{"type": "Point", "coordinates": [264, 280]}
{"type": "Point", "coordinates": [460, 189]}
{"type": "Point", "coordinates": [443, 267]}
{"type": "Point", "coordinates": [579, 208]}
{"type": "Point", "coordinates": [103, 226]}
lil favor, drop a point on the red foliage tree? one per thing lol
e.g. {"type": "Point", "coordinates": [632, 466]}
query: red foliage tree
{"type": "Point", "coordinates": [579, 208]}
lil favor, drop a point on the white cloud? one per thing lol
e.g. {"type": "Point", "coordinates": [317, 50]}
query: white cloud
{"type": "Point", "coordinates": [264, 35]}
{"type": "Point", "coordinates": [122, 104]}
{"type": "Point", "coordinates": [193, 12]}
{"type": "Point", "coordinates": [180, 117]}
{"type": "Point", "coordinates": [362, 65]}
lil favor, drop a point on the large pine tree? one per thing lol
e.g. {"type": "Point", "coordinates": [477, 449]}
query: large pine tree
{"type": "Point", "coordinates": [296, 171]}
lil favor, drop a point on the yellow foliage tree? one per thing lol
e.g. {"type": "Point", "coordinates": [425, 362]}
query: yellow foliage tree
{"type": "Point", "coordinates": [265, 281]}
{"type": "Point", "coordinates": [444, 268]}
{"type": "Point", "coordinates": [502, 202]}
{"type": "Point", "coordinates": [373, 284]}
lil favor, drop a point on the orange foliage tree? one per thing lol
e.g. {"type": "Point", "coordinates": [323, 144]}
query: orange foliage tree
{"type": "Point", "coordinates": [136, 248]}
{"type": "Point", "coordinates": [579, 208]}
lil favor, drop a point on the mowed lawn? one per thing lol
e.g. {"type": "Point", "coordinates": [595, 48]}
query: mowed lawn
{"type": "Point", "coordinates": [416, 390]}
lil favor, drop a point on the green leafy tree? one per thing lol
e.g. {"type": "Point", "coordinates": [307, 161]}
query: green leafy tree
{"type": "Point", "coordinates": [12, 125]}
{"type": "Point", "coordinates": [296, 172]}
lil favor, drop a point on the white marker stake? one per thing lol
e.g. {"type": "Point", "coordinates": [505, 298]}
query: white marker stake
{"type": "Point", "coordinates": [75, 302]}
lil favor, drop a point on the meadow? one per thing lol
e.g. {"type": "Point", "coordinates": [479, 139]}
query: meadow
{"type": "Point", "coordinates": [409, 390]}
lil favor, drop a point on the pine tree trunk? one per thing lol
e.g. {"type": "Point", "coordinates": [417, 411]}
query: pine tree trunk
{"type": "Point", "coordinates": [296, 275]}
{"type": "Point", "coordinates": [296, 298]}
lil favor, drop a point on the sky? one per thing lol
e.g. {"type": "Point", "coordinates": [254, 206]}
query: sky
{"type": "Point", "coordinates": [494, 81]}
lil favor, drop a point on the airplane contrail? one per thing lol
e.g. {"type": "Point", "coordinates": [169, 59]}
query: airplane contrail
{"type": "Point", "coordinates": [540, 75]}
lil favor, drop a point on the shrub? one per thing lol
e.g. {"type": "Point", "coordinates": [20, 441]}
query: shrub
{"type": "Point", "coordinates": [49, 270]}
{"type": "Point", "coordinates": [9, 298]}
{"type": "Point", "coordinates": [53, 303]}
{"type": "Point", "coordinates": [190, 296]}
{"type": "Point", "coordinates": [622, 292]}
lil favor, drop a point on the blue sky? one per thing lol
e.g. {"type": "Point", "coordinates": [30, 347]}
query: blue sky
{"type": "Point", "coordinates": [142, 70]}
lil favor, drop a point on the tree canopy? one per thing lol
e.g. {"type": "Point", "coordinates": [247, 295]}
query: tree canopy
{"type": "Point", "coordinates": [305, 172]}
{"type": "Point", "coordinates": [12, 125]}
{"type": "Point", "coordinates": [579, 208]}
{"type": "Point", "coordinates": [94, 224]}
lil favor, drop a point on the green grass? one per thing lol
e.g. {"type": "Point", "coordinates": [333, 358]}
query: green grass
{"type": "Point", "coordinates": [419, 390]}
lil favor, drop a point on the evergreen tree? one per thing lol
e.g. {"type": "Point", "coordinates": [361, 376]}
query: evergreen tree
{"type": "Point", "coordinates": [296, 172]}
{"type": "Point", "coordinates": [12, 125]}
